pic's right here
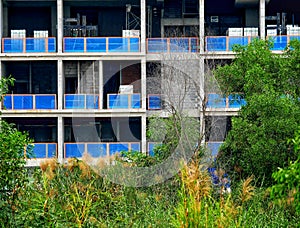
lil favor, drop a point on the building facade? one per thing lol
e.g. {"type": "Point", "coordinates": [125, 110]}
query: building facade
{"type": "Point", "coordinates": [88, 73]}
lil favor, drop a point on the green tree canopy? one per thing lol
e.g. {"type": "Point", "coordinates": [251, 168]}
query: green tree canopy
{"type": "Point", "coordinates": [257, 143]}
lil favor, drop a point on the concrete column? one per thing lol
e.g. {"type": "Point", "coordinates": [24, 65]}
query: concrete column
{"type": "Point", "coordinates": [143, 26]}
{"type": "Point", "coordinates": [262, 18]}
{"type": "Point", "coordinates": [143, 135]}
{"type": "Point", "coordinates": [101, 84]}
{"type": "Point", "coordinates": [60, 84]}
{"type": "Point", "coordinates": [60, 28]}
{"type": "Point", "coordinates": [143, 83]}
{"type": "Point", "coordinates": [60, 139]}
{"type": "Point", "coordinates": [201, 26]}
{"type": "Point", "coordinates": [202, 95]}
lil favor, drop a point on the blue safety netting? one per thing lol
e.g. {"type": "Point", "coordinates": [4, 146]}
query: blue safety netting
{"type": "Point", "coordinates": [134, 44]}
{"type": "Point", "coordinates": [45, 102]}
{"type": "Point", "coordinates": [13, 45]}
{"type": "Point", "coordinates": [135, 101]}
{"type": "Point", "coordinates": [97, 149]}
{"type": "Point", "coordinates": [216, 101]}
{"type": "Point", "coordinates": [279, 42]}
{"type": "Point", "coordinates": [44, 150]}
{"type": "Point", "coordinates": [7, 101]}
{"type": "Point", "coordinates": [96, 44]}
{"type": "Point", "coordinates": [74, 45]}
{"type": "Point", "coordinates": [74, 101]}
{"type": "Point", "coordinates": [214, 147]}
{"type": "Point", "coordinates": [23, 102]}
{"type": "Point", "coordinates": [118, 147]}
{"type": "Point", "coordinates": [135, 147]}
{"type": "Point", "coordinates": [74, 150]}
{"type": "Point", "coordinates": [157, 45]}
{"type": "Point", "coordinates": [236, 100]}
{"type": "Point", "coordinates": [118, 101]}
{"type": "Point", "coordinates": [216, 43]}
{"type": "Point", "coordinates": [243, 41]}
{"type": "Point", "coordinates": [92, 101]}
{"type": "Point", "coordinates": [154, 102]}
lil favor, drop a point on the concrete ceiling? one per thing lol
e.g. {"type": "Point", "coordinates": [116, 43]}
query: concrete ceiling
{"type": "Point", "coordinates": [247, 3]}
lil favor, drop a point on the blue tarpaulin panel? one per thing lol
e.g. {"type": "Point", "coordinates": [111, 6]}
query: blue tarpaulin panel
{"type": "Point", "coordinates": [74, 101]}
{"type": "Point", "coordinates": [135, 101]}
{"type": "Point", "coordinates": [74, 150]}
{"type": "Point", "coordinates": [45, 101]}
{"type": "Point", "coordinates": [280, 42]}
{"type": "Point", "coordinates": [7, 101]}
{"type": "Point", "coordinates": [96, 44]}
{"type": "Point", "coordinates": [236, 101]}
{"type": "Point", "coordinates": [13, 45]}
{"type": "Point", "coordinates": [214, 147]}
{"type": "Point", "coordinates": [97, 150]}
{"type": "Point", "coordinates": [23, 102]}
{"type": "Point", "coordinates": [74, 45]}
{"type": "Point", "coordinates": [52, 44]}
{"type": "Point", "coordinates": [118, 101]}
{"type": "Point", "coordinates": [117, 44]}
{"type": "Point", "coordinates": [92, 101]}
{"type": "Point", "coordinates": [135, 147]}
{"type": "Point", "coordinates": [154, 102]}
{"type": "Point", "coordinates": [179, 45]}
{"type": "Point", "coordinates": [151, 146]}
{"type": "Point", "coordinates": [52, 150]}
{"type": "Point", "coordinates": [39, 151]}
{"type": "Point", "coordinates": [117, 147]}
{"type": "Point", "coordinates": [134, 44]}
{"type": "Point", "coordinates": [216, 43]}
{"type": "Point", "coordinates": [36, 45]}
{"type": "Point", "coordinates": [216, 101]}
{"type": "Point", "coordinates": [243, 41]}
{"type": "Point", "coordinates": [157, 45]}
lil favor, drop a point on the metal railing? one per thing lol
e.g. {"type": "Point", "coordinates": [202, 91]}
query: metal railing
{"type": "Point", "coordinates": [82, 101]}
{"type": "Point", "coordinates": [172, 45]}
{"type": "Point", "coordinates": [123, 101]}
{"type": "Point", "coordinates": [29, 45]}
{"type": "Point", "coordinates": [100, 149]}
{"type": "Point", "coordinates": [29, 101]}
{"type": "Point", "coordinates": [101, 44]}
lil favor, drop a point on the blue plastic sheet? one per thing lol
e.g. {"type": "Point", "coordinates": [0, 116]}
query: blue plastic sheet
{"type": "Point", "coordinates": [216, 101]}
{"type": "Point", "coordinates": [118, 101]}
{"type": "Point", "coordinates": [243, 41]}
{"type": "Point", "coordinates": [96, 44]}
{"type": "Point", "coordinates": [216, 43]}
{"type": "Point", "coordinates": [97, 150]}
{"type": "Point", "coordinates": [45, 102]}
{"type": "Point", "coordinates": [135, 101]}
{"type": "Point", "coordinates": [117, 147]}
{"type": "Point", "coordinates": [280, 42]}
{"type": "Point", "coordinates": [74, 101]}
{"type": "Point", "coordinates": [74, 150]}
{"type": "Point", "coordinates": [157, 45]}
{"type": "Point", "coordinates": [236, 101]}
{"type": "Point", "coordinates": [13, 45]}
{"type": "Point", "coordinates": [154, 102]}
{"type": "Point", "coordinates": [74, 45]}
{"type": "Point", "coordinates": [23, 102]}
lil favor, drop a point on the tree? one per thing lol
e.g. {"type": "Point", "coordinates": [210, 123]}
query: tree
{"type": "Point", "coordinates": [12, 161]}
{"type": "Point", "coordinates": [257, 143]}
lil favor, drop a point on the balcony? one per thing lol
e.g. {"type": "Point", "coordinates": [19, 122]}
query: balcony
{"type": "Point", "coordinates": [44, 150]}
{"type": "Point", "coordinates": [81, 101]}
{"type": "Point", "coordinates": [123, 101]}
{"type": "Point", "coordinates": [29, 101]}
{"type": "Point", "coordinates": [29, 45]}
{"type": "Point", "coordinates": [101, 44]}
{"type": "Point", "coordinates": [220, 101]}
{"type": "Point", "coordinates": [97, 150]}
{"type": "Point", "coordinates": [172, 45]}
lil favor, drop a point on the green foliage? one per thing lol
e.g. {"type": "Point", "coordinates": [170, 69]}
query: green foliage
{"type": "Point", "coordinates": [12, 160]}
{"type": "Point", "coordinates": [286, 190]}
{"type": "Point", "coordinates": [257, 143]}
